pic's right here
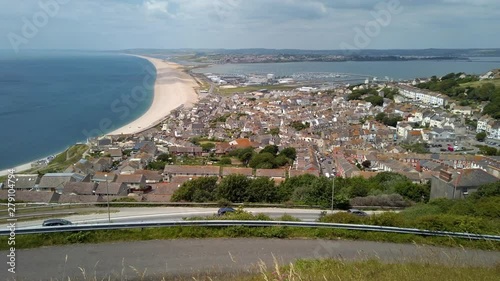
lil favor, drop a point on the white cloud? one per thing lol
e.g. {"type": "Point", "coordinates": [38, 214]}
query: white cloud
{"type": "Point", "coordinates": [157, 7]}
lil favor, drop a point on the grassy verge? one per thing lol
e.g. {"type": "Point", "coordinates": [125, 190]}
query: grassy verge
{"type": "Point", "coordinates": [61, 161]}
{"type": "Point", "coordinates": [372, 270]}
{"type": "Point", "coordinates": [52, 239]}
{"type": "Point", "coordinates": [476, 84]}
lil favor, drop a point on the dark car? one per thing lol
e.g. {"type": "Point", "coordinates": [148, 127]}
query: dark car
{"type": "Point", "coordinates": [225, 210]}
{"type": "Point", "coordinates": [357, 212]}
{"type": "Point", "coordinates": [56, 222]}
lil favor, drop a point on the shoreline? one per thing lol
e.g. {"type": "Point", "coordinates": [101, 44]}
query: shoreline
{"type": "Point", "coordinates": [173, 88]}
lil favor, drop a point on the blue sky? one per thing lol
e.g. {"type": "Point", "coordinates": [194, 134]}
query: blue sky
{"type": "Point", "coordinates": [296, 24]}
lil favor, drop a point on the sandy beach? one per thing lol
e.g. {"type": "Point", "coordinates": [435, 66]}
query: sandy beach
{"type": "Point", "coordinates": [173, 88]}
{"type": "Point", "coordinates": [17, 169]}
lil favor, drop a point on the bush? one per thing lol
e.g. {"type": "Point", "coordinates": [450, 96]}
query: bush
{"type": "Point", "coordinates": [387, 219]}
{"type": "Point", "coordinates": [392, 200]}
{"type": "Point", "coordinates": [342, 218]}
{"type": "Point", "coordinates": [287, 217]}
{"type": "Point", "coordinates": [224, 203]}
{"type": "Point", "coordinates": [455, 224]}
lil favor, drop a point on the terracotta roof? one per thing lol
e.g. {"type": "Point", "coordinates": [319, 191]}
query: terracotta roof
{"type": "Point", "coordinates": [271, 173]}
{"type": "Point", "coordinates": [237, 171]}
{"type": "Point", "coordinates": [192, 170]}
{"type": "Point", "coordinates": [364, 174]}
{"type": "Point", "coordinates": [295, 173]}
{"type": "Point", "coordinates": [165, 188]}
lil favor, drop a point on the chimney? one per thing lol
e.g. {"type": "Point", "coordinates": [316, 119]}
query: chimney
{"type": "Point", "coordinates": [445, 175]}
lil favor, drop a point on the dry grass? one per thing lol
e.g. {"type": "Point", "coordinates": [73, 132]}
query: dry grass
{"type": "Point", "coordinates": [314, 270]}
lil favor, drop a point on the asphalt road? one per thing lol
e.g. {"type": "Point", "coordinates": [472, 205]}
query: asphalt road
{"type": "Point", "coordinates": [124, 215]}
{"type": "Point", "coordinates": [128, 261]}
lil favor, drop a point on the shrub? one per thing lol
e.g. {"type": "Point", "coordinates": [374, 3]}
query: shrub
{"type": "Point", "coordinates": [387, 219]}
{"type": "Point", "coordinates": [342, 218]}
{"type": "Point", "coordinates": [287, 217]}
{"type": "Point", "coordinates": [392, 200]}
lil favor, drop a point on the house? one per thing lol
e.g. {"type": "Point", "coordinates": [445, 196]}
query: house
{"type": "Point", "coordinates": [134, 181]}
{"type": "Point", "coordinates": [243, 143]}
{"type": "Point", "coordinates": [151, 176]}
{"type": "Point", "coordinates": [116, 154]}
{"type": "Point", "coordinates": [130, 166]}
{"type": "Point", "coordinates": [296, 173]}
{"type": "Point", "coordinates": [458, 185]}
{"type": "Point", "coordinates": [277, 175]}
{"type": "Point", "coordinates": [172, 171]}
{"type": "Point", "coordinates": [162, 192]}
{"type": "Point", "coordinates": [72, 198]}
{"type": "Point", "coordinates": [186, 151]}
{"type": "Point", "coordinates": [56, 181]}
{"type": "Point", "coordinates": [103, 164]}
{"type": "Point", "coordinates": [24, 181]}
{"type": "Point", "coordinates": [344, 168]}
{"type": "Point", "coordinates": [103, 177]}
{"type": "Point", "coordinates": [112, 189]}
{"type": "Point", "coordinates": [226, 171]}
{"type": "Point", "coordinates": [32, 196]}
{"type": "Point", "coordinates": [82, 167]}
{"type": "Point", "coordinates": [79, 188]}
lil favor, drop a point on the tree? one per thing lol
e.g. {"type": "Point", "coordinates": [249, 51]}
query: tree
{"type": "Point", "coordinates": [375, 100]}
{"type": "Point", "coordinates": [233, 188]}
{"type": "Point", "coordinates": [207, 147]}
{"type": "Point", "coordinates": [198, 190]}
{"type": "Point", "coordinates": [262, 161]}
{"type": "Point", "coordinates": [262, 190]}
{"type": "Point", "coordinates": [165, 157]}
{"type": "Point", "coordinates": [366, 163]}
{"type": "Point", "coordinates": [273, 149]}
{"type": "Point", "coordinates": [289, 152]}
{"type": "Point", "coordinates": [274, 131]}
{"type": "Point", "coordinates": [225, 161]}
{"type": "Point", "coordinates": [481, 136]}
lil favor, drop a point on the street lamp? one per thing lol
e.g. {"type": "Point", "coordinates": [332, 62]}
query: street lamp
{"type": "Point", "coordinates": [333, 191]}
{"type": "Point", "coordinates": [107, 197]}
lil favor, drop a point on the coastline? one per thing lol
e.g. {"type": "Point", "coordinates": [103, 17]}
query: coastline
{"type": "Point", "coordinates": [173, 88]}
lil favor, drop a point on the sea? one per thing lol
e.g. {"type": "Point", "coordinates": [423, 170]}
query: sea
{"type": "Point", "coordinates": [50, 100]}
{"type": "Point", "coordinates": [383, 70]}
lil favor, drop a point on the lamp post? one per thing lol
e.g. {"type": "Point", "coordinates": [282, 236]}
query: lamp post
{"type": "Point", "coordinates": [333, 191]}
{"type": "Point", "coordinates": [107, 197]}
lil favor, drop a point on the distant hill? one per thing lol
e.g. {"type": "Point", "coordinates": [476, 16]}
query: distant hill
{"type": "Point", "coordinates": [463, 53]}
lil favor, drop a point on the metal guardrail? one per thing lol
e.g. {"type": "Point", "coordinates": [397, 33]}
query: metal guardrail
{"type": "Point", "coordinates": [229, 223]}
{"type": "Point", "coordinates": [185, 204]}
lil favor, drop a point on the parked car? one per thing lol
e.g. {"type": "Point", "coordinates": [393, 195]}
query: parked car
{"type": "Point", "coordinates": [225, 210]}
{"type": "Point", "coordinates": [56, 222]}
{"type": "Point", "coordinates": [357, 212]}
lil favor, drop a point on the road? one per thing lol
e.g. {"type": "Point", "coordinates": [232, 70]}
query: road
{"type": "Point", "coordinates": [169, 214]}
{"type": "Point", "coordinates": [127, 260]}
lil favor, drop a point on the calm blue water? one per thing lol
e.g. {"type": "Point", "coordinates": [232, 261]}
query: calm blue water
{"type": "Point", "coordinates": [51, 100]}
{"type": "Point", "coordinates": [392, 69]}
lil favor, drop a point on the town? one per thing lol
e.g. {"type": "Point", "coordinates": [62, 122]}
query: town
{"type": "Point", "coordinates": [340, 131]}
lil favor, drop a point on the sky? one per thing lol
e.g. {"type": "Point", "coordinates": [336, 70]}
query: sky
{"type": "Point", "coordinates": [235, 24]}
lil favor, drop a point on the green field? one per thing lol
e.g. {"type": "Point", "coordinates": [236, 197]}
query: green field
{"type": "Point", "coordinates": [476, 84]}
